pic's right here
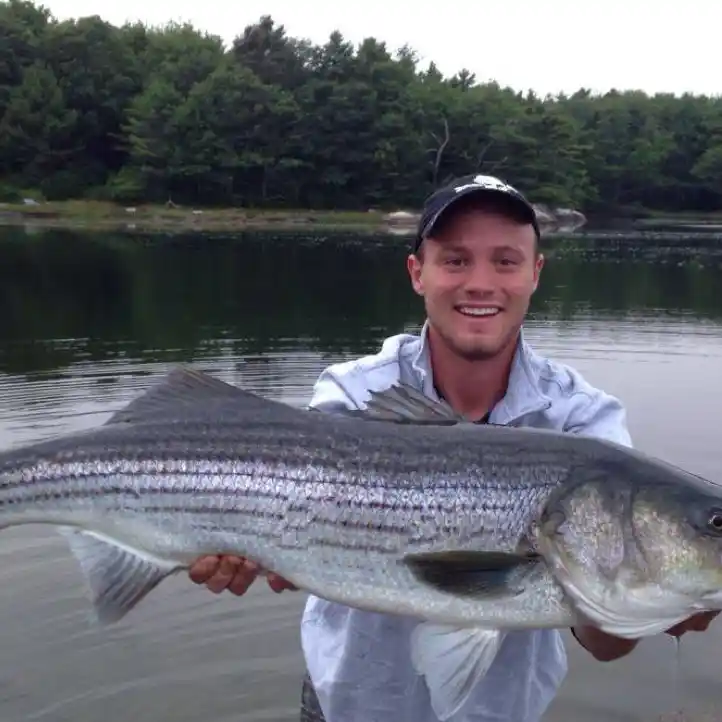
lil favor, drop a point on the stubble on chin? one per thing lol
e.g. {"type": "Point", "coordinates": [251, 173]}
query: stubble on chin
{"type": "Point", "coordinates": [472, 350]}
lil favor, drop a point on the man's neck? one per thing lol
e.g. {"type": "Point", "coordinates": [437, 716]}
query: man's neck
{"type": "Point", "coordinates": [471, 387]}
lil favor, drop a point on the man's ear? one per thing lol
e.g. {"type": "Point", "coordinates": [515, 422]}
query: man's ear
{"type": "Point", "coordinates": [538, 265]}
{"type": "Point", "coordinates": [414, 265]}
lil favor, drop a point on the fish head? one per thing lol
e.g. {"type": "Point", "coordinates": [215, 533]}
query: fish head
{"type": "Point", "coordinates": [637, 547]}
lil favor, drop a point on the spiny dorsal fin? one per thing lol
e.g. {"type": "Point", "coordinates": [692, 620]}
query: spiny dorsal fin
{"type": "Point", "coordinates": [183, 388]}
{"type": "Point", "coordinates": [403, 404]}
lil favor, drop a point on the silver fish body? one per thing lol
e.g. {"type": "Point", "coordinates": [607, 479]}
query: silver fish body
{"type": "Point", "coordinates": [332, 504]}
{"type": "Point", "coordinates": [402, 508]}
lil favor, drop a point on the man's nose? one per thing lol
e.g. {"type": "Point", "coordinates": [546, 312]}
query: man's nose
{"type": "Point", "coordinates": [481, 278]}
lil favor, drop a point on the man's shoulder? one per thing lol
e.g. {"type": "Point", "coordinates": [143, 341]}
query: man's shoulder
{"type": "Point", "coordinates": [575, 404]}
{"type": "Point", "coordinates": [348, 382]}
{"type": "Point", "coordinates": [560, 380]}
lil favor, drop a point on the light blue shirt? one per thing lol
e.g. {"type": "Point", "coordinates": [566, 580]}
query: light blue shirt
{"type": "Point", "coordinates": [358, 661]}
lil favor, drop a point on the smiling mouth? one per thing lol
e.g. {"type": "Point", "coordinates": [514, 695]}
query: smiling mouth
{"type": "Point", "coordinates": [476, 312]}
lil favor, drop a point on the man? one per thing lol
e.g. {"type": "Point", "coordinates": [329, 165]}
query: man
{"type": "Point", "coordinates": [476, 262]}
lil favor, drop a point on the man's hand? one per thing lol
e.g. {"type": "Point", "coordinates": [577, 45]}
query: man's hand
{"type": "Point", "coordinates": [232, 573]}
{"type": "Point", "coordinates": [696, 623]}
{"type": "Point", "coordinates": [605, 647]}
{"type": "Point", "coordinates": [602, 646]}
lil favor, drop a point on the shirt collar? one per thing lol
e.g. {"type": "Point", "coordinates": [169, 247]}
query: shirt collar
{"type": "Point", "coordinates": [523, 394]}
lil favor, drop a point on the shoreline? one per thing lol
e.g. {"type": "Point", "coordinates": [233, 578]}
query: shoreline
{"type": "Point", "coordinates": [102, 216]}
{"type": "Point", "coordinates": [106, 216]}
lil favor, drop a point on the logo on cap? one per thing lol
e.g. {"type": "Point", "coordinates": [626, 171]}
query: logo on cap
{"type": "Point", "coordinates": [486, 181]}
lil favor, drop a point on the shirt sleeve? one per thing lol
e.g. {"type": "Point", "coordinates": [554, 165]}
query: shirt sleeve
{"type": "Point", "coordinates": [330, 394]}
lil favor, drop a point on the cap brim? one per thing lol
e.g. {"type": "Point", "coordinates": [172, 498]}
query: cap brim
{"type": "Point", "coordinates": [525, 208]}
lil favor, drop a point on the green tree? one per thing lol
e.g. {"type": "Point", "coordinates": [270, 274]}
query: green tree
{"type": "Point", "coordinates": [37, 127]}
{"type": "Point", "coordinates": [140, 113]}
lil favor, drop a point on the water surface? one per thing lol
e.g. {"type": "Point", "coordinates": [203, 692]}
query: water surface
{"type": "Point", "coordinates": [90, 321]}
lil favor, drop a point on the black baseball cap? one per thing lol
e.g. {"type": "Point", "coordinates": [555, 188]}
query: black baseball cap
{"type": "Point", "coordinates": [444, 198]}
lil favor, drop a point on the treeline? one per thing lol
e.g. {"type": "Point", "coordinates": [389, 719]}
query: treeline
{"type": "Point", "coordinates": [133, 114]}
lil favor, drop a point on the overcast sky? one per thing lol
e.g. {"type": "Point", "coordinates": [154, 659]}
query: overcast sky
{"type": "Point", "coordinates": [545, 45]}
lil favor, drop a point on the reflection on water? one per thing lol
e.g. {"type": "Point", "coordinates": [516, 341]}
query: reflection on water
{"type": "Point", "coordinates": [70, 299]}
{"type": "Point", "coordinates": [89, 322]}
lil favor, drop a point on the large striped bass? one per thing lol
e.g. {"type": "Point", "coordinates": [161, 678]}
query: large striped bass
{"type": "Point", "coordinates": [402, 508]}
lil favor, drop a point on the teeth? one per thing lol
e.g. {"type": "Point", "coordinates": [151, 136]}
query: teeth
{"type": "Point", "coordinates": [479, 311]}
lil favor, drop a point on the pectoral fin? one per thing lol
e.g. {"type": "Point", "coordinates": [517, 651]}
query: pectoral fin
{"type": "Point", "coordinates": [471, 573]}
{"type": "Point", "coordinates": [118, 578]}
{"type": "Point", "coordinates": [453, 661]}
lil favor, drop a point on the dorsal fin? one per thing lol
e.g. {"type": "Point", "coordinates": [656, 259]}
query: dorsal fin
{"type": "Point", "coordinates": [186, 389]}
{"type": "Point", "coordinates": [403, 404]}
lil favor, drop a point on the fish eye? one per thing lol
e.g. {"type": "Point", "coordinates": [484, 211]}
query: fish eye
{"type": "Point", "coordinates": [714, 522]}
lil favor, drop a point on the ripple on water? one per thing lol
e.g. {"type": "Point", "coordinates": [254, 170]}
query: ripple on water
{"type": "Point", "coordinates": [39, 405]}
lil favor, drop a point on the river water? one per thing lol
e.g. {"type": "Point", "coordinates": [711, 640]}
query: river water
{"type": "Point", "coordinates": [89, 321]}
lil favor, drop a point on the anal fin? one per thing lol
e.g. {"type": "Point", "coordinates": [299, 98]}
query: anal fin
{"type": "Point", "coordinates": [118, 577]}
{"type": "Point", "coordinates": [453, 661]}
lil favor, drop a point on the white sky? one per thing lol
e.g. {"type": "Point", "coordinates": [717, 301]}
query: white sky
{"type": "Point", "coordinates": [545, 45]}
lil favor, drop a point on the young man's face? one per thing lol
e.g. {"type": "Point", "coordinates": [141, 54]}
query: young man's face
{"type": "Point", "coordinates": [477, 275]}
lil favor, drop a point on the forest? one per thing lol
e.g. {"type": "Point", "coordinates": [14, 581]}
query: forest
{"type": "Point", "coordinates": [137, 114]}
